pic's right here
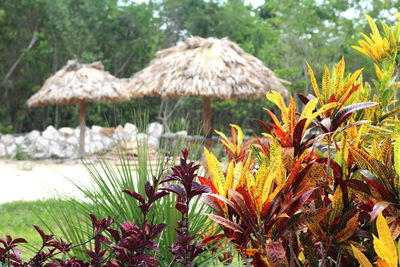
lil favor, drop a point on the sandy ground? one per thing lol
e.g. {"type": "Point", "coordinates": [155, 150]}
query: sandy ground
{"type": "Point", "coordinates": [30, 180]}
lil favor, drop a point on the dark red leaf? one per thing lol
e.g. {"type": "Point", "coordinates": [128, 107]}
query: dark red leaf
{"type": "Point", "coordinates": [357, 185]}
{"type": "Point", "coordinates": [19, 240]}
{"type": "Point", "coordinates": [258, 261]}
{"type": "Point", "coordinates": [298, 134]}
{"type": "Point", "coordinates": [149, 190]}
{"type": "Point", "coordinates": [174, 188]}
{"type": "Point", "coordinates": [157, 229]}
{"type": "Point", "coordinates": [347, 111]}
{"type": "Point", "coordinates": [265, 126]}
{"type": "Point", "coordinates": [114, 233]}
{"type": "Point", "coordinates": [147, 259]}
{"type": "Point", "coordinates": [138, 196]}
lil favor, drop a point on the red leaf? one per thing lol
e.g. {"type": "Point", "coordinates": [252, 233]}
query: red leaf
{"type": "Point", "coordinates": [276, 254]}
{"type": "Point", "coordinates": [347, 111]}
{"type": "Point", "coordinates": [226, 223]}
{"type": "Point", "coordinates": [357, 185]}
{"type": "Point", "coordinates": [212, 239]}
{"type": "Point", "coordinates": [138, 196]}
{"type": "Point", "coordinates": [207, 182]}
{"type": "Point", "coordinates": [258, 261]}
{"type": "Point", "coordinates": [174, 188]}
{"type": "Point", "coordinates": [248, 201]}
{"type": "Point", "coordinates": [298, 134]}
{"type": "Point", "coordinates": [284, 138]}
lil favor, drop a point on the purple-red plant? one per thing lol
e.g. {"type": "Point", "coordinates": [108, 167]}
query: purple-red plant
{"type": "Point", "coordinates": [185, 250]}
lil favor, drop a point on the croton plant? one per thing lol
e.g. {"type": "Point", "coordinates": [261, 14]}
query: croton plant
{"type": "Point", "coordinates": [319, 187]}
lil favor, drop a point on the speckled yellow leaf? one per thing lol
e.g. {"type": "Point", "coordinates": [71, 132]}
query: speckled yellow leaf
{"type": "Point", "coordinates": [361, 257]}
{"type": "Point", "coordinates": [386, 237]}
{"type": "Point", "coordinates": [216, 173]}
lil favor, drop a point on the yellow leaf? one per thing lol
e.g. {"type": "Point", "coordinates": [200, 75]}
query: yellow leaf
{"type": "Point", "coordinates": [243, 177]}
{"type": "Point", "coordinates": [261, 174]}
{"type": "Point", "coordinates": [325, 84]}
{"type": "Point", "coordinates": [314, 84]}
{"type": "Point", "coordinates": [372, 25]}
{"type": "Point", "coordinates": [337, 204]}
{"type": "Point", "coordinates": [382, 251]}
{"type": "Point", "coordinates": [320, 111]}
{"type": "Point", "coordinates": [216, 173]}
{"type": "Point", "coordinates": [275, 151]}
{"type": "Point", "coordinates": [276, 161]}
{"type": "Point", "coordinates": [291, 117]}
{"type": "Point", "coordinates": [361, 257]}
{"type": "Point", "coordinates": [309, 108]}
{"type": "Point", "coordinates": [339, 77]}
{"type": "Point", "coordinates": [347, 87]}
{"type": "Point", "coordinates": [275, 192]}
{"type": "Point", "coordinates": [362, 50]}
{"type": "Point", "coordinates": [250, 180]}
{"type": "Point", "coordinates": [276, 98]}
{"type": "Point", "coordinates": [229, 179]}
{"type": "Point", "coordinates": [375, 150]}
{"type": "Point", "coordinates": [396, 155]}
{"type": "Point", "coordinates": [226, 141]}
{"type": "Point", "coordinates": [386, 237]}
{"type": "Point", "coordinates": [237, 173]}
{"type": "Point", "coordinates": [255, 193]}
{"type": "Point", "coordinates": [268, 182]}
{"type": "Point", "coordinates": [378, 72]}
{"type": "Point", "coordinates": [386, 151]}
{"type": "Point", "coordinates": [240, 136]}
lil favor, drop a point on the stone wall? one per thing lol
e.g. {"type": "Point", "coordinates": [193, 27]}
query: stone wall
{"type": "Point", "coordinates": [64, 142]}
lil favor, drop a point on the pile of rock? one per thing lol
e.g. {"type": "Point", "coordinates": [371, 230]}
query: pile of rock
{"type": "Point", "coordinates": [64, 142]}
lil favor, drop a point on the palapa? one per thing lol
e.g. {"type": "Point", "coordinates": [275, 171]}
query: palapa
{"type": "Point", "coordinates": [78, 83]}
{"type": "Point", "coordinates": [212, 68]}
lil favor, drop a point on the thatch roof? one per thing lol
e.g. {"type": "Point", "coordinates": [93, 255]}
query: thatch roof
{"type": "Point", "coordinates": [77, 82]}
{"type": "Point", "coordinates": [208, 67]}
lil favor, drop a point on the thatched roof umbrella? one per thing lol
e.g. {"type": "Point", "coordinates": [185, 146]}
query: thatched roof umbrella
{"type": "Point", "coordinates": [77, 83]}
{"type": "Point", "coordinates": [212, 68]}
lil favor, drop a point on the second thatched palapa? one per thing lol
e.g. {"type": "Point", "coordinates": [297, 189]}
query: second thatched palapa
{"type": "Point", "coordinates": [78, 83]}
{"type": "Point", "coordinates": [212, 68]}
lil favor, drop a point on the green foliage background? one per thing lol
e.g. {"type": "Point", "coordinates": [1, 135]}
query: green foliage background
{"type": "Point", "coordinates": [125, 35]}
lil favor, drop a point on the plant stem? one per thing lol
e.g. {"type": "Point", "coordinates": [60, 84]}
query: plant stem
{"type": "Point", "coordinates": [291, 249]}
{"type": "Point", "coordinates": [329, 158]}
{"type": "Point", "coordinates": [323, 264]}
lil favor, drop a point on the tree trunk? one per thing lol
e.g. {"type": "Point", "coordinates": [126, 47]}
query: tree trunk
{"type": "Point", "coordinates": [207, 123]}
{"type": "Point", "coordinates": [11, 70]}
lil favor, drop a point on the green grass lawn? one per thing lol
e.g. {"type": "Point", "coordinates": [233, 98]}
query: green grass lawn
{"type": "Point", "coordinates": [17, 218]}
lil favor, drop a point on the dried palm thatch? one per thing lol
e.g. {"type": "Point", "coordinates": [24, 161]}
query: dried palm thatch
{"type": "Point", "coordinates": [212, 68]}
{"type": "Point", "coordinates": [77, 83]}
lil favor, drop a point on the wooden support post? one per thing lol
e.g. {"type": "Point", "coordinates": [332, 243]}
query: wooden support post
{"type": "Point", "coordinates": [207, 123]}
{"type": "Point", "coordinates": [83, 127]}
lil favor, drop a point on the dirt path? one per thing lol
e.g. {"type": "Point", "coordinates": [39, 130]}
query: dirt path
{"type": "Point", "coordinates": [30, 180]}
